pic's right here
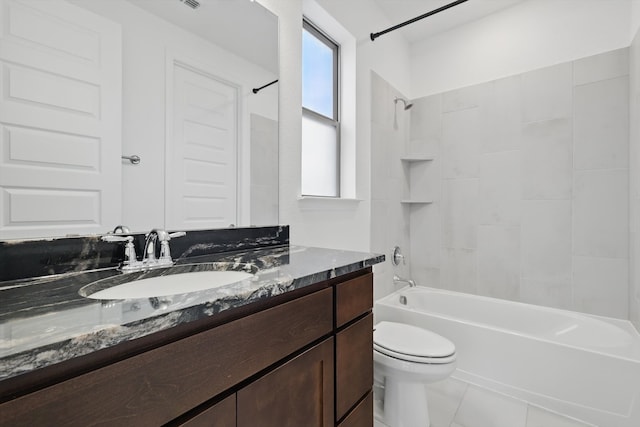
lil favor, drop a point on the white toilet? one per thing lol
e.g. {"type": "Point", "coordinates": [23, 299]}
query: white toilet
{"type": "Point", "coordinates": [406, 358]}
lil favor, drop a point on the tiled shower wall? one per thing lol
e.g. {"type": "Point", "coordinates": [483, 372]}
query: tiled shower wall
{"type": "Point", "coordinates": [389, 219]}
{"type": "Point", "coordinates": [634, 288]}
{"type": "Point", "coordinates": [530, 186]}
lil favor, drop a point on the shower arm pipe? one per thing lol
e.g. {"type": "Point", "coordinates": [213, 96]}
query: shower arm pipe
{"type": "Point", "coordinates": [258, 89]}
{"type": "Point", "coordinates": [417, 18]}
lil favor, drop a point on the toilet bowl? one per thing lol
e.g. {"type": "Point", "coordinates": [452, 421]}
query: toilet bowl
{"type": "Point", "coordinates": [406, 358]}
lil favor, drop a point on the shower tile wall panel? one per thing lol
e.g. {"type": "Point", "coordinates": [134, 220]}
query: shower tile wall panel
{"type": "Point", "coordinates": [634, 138]}
{"type": "Point", "coordinates": [601, 213]}
{"type": "Point", "coordinates": [459, 213]}
{"type": "Point", "coordinates": [501, 189]}
{"type": "Point", "coordinates": [503, 116]}
{"type": "Point", "coordinates": [546, 241]}
{"type": "Point", "coordinates": [602, 114]}
{"type": "Point", "coordinates": [547, 93]}
{"type": "Point", "coordinates": [589, 275]}
{"type": "Point", "coordinates": [546, 160]}
{"type": "Point", "coordinates": [390, 220]}
{"type": "Point", "coordinates": [461, 141]}
{"type": "Point", "coordinates": [426, 126]}
{"type": "Point", "coordinates": [499, 261]}
{"type": "Point", "coordinates": [534, 179]}
{"type": "Point", "coordinates": [601, 67]}
{"type": "Point", "coordinates": [458, 271]}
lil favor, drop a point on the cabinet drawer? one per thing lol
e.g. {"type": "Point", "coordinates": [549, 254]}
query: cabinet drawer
{"type": "Point", "coordinates": [354, 364]}
{"type": "Point", "coordinates": [362, 415]}
{"type": "Point", "coordinates": [353, 298]}
{"type": "Point", "coordinates": [155, 387]}
{"type": "Point", "coordinates": [222, 414]}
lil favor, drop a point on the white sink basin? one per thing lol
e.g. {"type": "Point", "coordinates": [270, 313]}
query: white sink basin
{"type": "Point", "coordinates": [171, 284]}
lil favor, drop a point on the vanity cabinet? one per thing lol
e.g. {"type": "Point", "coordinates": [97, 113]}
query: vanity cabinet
{"type": "Point", "coordinates": [299, 359]}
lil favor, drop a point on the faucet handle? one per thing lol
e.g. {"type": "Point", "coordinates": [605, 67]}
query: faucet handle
{"type": "Point", "coordinates": [130, 258]}
{"type": "Point", "coordinates": [165, 251]}
{"type": "Point", "coordinates": [176, 234]}
{"type": "Point", "coordinates": [114, 238]}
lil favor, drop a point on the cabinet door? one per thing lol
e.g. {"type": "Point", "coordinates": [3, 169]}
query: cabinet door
{"type": "Point", "coordinates": [222, 414]}
{"type": "Point", "coordinates": [298, 393]}
{"type": "Point", "coordinates": [354, 364]}
{"type": "Point", "coordinates": [361, 416]}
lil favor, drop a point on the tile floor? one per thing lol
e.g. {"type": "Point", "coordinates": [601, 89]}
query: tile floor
{"type": "Point", "coordinates": [453, 403]}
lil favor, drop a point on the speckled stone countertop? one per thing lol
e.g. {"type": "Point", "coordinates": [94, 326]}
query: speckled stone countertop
{"type": "Point", "coordinates": [45, 320]}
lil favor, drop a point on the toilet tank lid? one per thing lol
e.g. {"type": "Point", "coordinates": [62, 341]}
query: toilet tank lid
{"type": "Point", "coordinates": [411, 340]}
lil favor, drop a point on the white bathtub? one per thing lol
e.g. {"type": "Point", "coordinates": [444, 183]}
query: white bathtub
{"type": "Point", "coordinates": [586, 367]}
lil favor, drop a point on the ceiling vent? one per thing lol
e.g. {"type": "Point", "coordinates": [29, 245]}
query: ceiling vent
{"type": "Point", "coordinates": [193, 4]}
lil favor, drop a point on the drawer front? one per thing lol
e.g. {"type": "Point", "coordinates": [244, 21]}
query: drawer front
{"type": "Point", "coordinates": [362, 415]}
{"type": "Point", "coordinates": [157, 386]}
{"type": "Point", "coordinates": [353, 298]}
{"type": "Point", "coordinates": [354, 364]}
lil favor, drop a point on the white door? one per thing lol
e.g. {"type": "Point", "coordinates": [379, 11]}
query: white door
{"type": "Point", "coordinates": [60, 119]}
{"type": "Point", "coordinates": [201, 169]}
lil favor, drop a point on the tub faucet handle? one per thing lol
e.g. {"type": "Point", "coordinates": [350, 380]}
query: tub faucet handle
{"type": "Point", "coordinates": [397, 256]}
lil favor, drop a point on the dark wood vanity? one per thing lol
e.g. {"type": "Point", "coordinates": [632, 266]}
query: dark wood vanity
{"type": "Point", "coordinates": [303, 358]}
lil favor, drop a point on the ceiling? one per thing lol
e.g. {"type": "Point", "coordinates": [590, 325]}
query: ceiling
{"type": "Point", "coordinates": [240, 26]}
{"type": "Point", "coordinates": [399, 11]}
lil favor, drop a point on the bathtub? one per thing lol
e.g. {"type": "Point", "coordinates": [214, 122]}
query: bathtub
{"type": "Point", "coordinates": [586, 367]}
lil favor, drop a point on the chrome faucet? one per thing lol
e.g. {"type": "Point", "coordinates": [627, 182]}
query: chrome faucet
{"type": "Point", "coordinates": [398, 279]}
{"type": "Point", "coordinates": [149, 259]}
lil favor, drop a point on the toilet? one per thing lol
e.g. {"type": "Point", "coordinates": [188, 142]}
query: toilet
{"type": "Point", "coordinates": [406, 358]}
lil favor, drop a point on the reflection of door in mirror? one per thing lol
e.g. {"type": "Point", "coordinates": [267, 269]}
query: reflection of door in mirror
{"type": "Point", "coordinates": [201, 156]}
{"type": "Point", "coordinates": [86, 81]}
{"type": "Point", "coordinates": [60, 68]}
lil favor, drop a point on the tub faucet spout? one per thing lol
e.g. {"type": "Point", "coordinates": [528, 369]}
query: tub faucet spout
{"type": "Point", "coordinates": [398, 279]}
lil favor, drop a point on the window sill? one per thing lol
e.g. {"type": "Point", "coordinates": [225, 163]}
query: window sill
{"type": "Point", "coordinates": [336, 199]}
{"type": "Point", "coordinates": [327, 203]}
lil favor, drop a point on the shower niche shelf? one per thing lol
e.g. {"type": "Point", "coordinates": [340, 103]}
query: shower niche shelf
{"type": "Point", "coordinates": [410, 158]}
{"type": "Point", "coordinates": [415, 202]}
{"type": "Point", "coordinates": [417, 189]}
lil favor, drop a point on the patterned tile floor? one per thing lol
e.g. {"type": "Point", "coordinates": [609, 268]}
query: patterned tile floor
{"type": "Point", "coordinates": [453, 403]}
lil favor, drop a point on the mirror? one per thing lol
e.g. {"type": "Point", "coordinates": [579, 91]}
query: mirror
{"type": "Point", "coordinates": [186, 69]}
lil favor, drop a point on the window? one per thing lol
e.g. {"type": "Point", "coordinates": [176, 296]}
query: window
{"type": "Point", "coordinates": [320, 115]}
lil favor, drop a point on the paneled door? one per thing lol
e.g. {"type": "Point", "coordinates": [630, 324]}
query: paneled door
{"type": "Point", "coordinates": [60, 120]}
{"type": "Point", "coordinates": [201, 169]}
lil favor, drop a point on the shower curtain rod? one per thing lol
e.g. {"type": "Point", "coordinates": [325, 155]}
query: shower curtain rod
{"type": "Point", "coordinates": [411, 21]}
{"type": "Point", "coordinates": [258, 89]}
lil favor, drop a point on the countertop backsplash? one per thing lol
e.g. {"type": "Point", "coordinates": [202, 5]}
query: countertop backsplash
{"type": "Point", "coordinates": [25, 259]}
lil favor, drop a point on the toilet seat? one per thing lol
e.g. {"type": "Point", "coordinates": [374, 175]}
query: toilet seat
{"type": "Point", "coordinates": [411, 343]}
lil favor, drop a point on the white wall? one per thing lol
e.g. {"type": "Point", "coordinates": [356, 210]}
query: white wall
{"type": "Point", "coordinates": [634, 182]}
{"type": "Point", "coordinates": [635, 17]}
{"type": "Point", "coordinates": [530, 35]}
{"type": "Point", "coordinates": [146, 39]}
{"type": "Point", "coordinates": [332, 223]}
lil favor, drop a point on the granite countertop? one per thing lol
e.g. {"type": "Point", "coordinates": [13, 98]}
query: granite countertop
{"type": "Point", "coordinates": [44, 320]}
